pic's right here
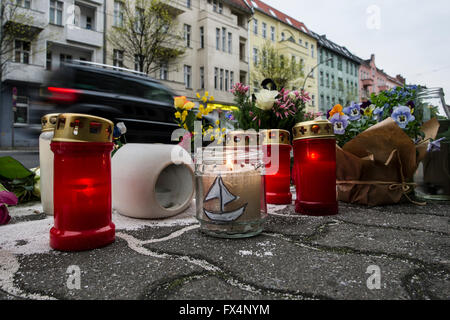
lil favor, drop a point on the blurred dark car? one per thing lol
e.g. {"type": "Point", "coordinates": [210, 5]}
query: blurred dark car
{"type": "Point", "coordinates": [142, 103]}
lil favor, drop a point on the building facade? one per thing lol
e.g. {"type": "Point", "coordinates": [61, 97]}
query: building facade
{"type": "Point", "coordinates": [374, 80]}
{"type": "Point", "coordinates": [290, 37]}
{"type": "Point", "coordinates": [216, 43]}
{"type": "Point", "coordinates": [338, 74]}
{"type": "Point", "coordinates": [63, 30]}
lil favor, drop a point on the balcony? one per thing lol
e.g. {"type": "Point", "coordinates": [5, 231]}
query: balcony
{"type": "Point", "coordinates": [367, 82]}
{"type": "Point", "coordinates": [383, 87]}
{"type": "Point", "coordinates": [84, 36]}
{"type": "Point", "coordinates": [15, 71]}
{"type": "Point", "coordinates": [35, 21]}
{"type": "Point", "coordinates": [174, 7]}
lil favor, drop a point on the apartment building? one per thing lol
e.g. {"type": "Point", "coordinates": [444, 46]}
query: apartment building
{"type": "Point", "coordinates": [338, 74]}
{"type": "Point", "coordinates": [62, 30]}
{"type": "Point", "coordinates": [293, 40]}
{"type": "Point", "coordinates": [215, 37]}
{"type": "Point", "coordinates": [375, 80]}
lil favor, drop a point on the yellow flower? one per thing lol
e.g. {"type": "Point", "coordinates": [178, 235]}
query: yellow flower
{"type": "Point", "coordinates": [369, 110]}
{"type": "Point", "coordinates": [206, 93]}
{"type": "Point", "coordinates": [177, 115]}
{"type": "Point", "coordinates": [224, 129]}
{"type": "Point", "coordinates": [213, 138]}
{"type": "Point", "coordinates": [185, 126]}
{"type": "Point", "coordinates": [183, 116]}
{"type": "Point", "coordinates": [217, 122]}
{"type": "Point", "coordinates": [336, 109]}
{"type": "Point", "coordinates": [198, 95]}
{"type": "Point", "coordinates": [204, 99]}
{"type": "Point", "coordinates": [211, 98]}
{"type": "Point", "coordinates": [179, 102]}
{"type": "Point", "coordinates": [189, 105]}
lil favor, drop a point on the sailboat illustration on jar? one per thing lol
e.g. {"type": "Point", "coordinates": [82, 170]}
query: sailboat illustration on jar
{"type": "Point", "coordinates": [219, 191]}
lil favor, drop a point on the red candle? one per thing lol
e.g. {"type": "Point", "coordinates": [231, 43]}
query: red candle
{"type": "Point", "coordinates": [82, 183]}
{"type": "Point", "coordinates": [315, 168]}
{"type": "Point", "coordinates": [277, 158]}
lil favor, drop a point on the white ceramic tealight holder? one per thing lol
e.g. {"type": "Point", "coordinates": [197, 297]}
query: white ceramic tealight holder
{"type": "Point", "coordinates": [152, 181]}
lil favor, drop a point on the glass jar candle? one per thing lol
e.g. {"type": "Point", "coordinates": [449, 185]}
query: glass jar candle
{"type": "Point", "coordinates": [315, 168]}
{"type": "Point", "coordinates": [82, 146]}
{"type": "Point", "coordinates": [230, 196]}
{"type": "Point", "coordinates": [276, 148]}
{"type": "Point", "coordinates": [46, 162]}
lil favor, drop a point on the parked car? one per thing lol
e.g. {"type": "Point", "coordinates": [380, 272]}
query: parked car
{"type": "Point", "coordinates": [145, 105]}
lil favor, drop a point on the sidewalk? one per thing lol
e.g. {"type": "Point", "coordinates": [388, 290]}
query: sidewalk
{"type": "Point", "coordinates": [295, 258]}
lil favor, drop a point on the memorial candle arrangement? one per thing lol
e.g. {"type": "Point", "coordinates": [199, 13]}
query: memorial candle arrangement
{"type": "Point", "coordinates": [315, 168]}
{"type": "Point", "coordinates": [82, 146]}
{"type": "Point", "coordinates": [230, 195]}
{"type": "Point", "coordinates": [277, 159]}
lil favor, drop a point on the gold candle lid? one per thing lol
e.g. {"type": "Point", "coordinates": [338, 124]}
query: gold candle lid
{"type": "Point", "coordinates": [241, 138]}
{"type": "Point", "coordinates": [316, 129]}
{"type": "Point", "coordinates": [275, 136]}
{"type": "Point", "coordinates": [48, 122]}
{"type": "Point", "coordinates": [72, 127]}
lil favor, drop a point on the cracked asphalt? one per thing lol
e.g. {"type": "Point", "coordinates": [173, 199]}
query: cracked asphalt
{"type": "Point", "coordinates": [295, 258]}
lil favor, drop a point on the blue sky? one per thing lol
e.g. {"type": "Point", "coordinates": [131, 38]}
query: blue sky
{"type": "Point", "coordinates": [413, 38]}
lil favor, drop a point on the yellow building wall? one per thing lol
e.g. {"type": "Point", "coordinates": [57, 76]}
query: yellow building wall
{"type": "Point", "coordinates": [288, 49]}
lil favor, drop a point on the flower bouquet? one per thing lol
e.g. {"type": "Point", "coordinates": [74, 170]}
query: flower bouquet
{"type": "Point", "coordinates": [268, 108]}
{"type": "Point", "coordinates": [380, 144]}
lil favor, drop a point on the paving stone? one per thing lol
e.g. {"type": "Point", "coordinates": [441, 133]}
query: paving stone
{"type": "Point", "coordinates": [272, 264]}
{"type": "Point", "coordinates": [425, 246]}
{"type": "Point", "coordinates": [385, 218]}
{"type": "Point", "coordinates": [113, 272]}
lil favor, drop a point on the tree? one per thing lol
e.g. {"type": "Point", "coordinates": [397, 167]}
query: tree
{"type": "Point", "coordinates": [271, 64]}
{"type": "Point", "coordinates": [147, 34]}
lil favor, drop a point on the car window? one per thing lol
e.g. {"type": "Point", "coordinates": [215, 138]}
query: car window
{"type": "Point", "coordinates": [87, 80]}
{"type": "Point", "coordinates": [156, 92]}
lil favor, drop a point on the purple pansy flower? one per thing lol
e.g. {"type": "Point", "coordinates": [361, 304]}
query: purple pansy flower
{"type": "Point", "coordinates": [378, 114]}
{"type": "Point", "coordinates": [6, 198]}
{"type": "Point", "coordinates": [435, 145]}
{"type": "Point", "coordinates": [340, 123]}
{"type": "Point", "coordinates": [353, 111]}
{"type": "Point", "coordinates": [402, 115]}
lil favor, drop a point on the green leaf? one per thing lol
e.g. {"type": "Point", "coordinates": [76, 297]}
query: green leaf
{"type": "Point", "coordinates": [10, 168]}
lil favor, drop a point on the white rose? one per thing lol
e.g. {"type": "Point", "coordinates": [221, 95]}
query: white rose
{"type": "Point", "coordinates": [265, 99]}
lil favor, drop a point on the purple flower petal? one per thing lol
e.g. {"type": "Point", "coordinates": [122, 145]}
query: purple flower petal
{"type": "Point", "coordinates": [8, 198]}
{"type": "Point", "coordinates": [4, 215]}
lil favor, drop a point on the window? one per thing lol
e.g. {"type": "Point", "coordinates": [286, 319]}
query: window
{"type": "Point", "coordinates": [48, 64]}
{"type": "Point", "coordinates": [306, 44]}
{"type": "Point", "coordinates": [88, 23]}
{"type": "Point", "coordinates": [118, 58]}
{"type": "Point", "coordinates": [188, 3]}
{"type": "Point", "coordinates": [220, 7]}
{"type": "Point", "coordinates": [65, 58]}
{"type": "Point", "coordinates": [202, 37]}
{"type": "Point", "coordinates": [221, 80]}
{"type": "Point", "coordinates": [328, 80]}
{"type": "Point", "coordinates": [339, 65]}
{"type": "Point", "coordinates": [217, 38]}
{"type": "Point", "coordinates": [272, 33]}
{"type": "Point", "coordinates": [300, 42]}
{"type": "Point", "coordinates": [226, 79]}
{"type": "Point", "coordinates": [328, 101]}
{"type": "Point", "coordinates": [137, 63]}
{"type": "Point", "coordinates": [322, 102]}
{"type": "Point", "coordinates": [346, 67]}
{"type": "Point", "coordinates": [187, 35]}
{"type": "Point", "coordinates": [231, 79]}
{"type": "Point", "coordinates": [215, 5]}
{"type": "Point", "coordinates": [230, 42]}
{"type": "Point", "coordinates": [21, 110]}
{"type": "Point", "coordinates": [333, 84]}
{"type": "Point", "coordinates": [216, 76]}
{"type": "Point", "coordinates": [138, 23]}
{"type": "Point", "coordinates": [313, 100]}
{"type": "Point", "coordinates": [202, 77]}
{"type": "Point", "coordinates": [332, 62]}
{"type": "Point", "coordinates": [164, 71]}
{"type": "Point", "coordinates": [264, 30]}
{"type": "Point", "coordinates": [283, 37]}
{"type": "Point", "coordinates": [312, 51]}
{"type": "Point", "coordinates": [224, 44]}
{"type": "Point", "coordinates": [255, 56]}
{"type": "Point", "coordinates": [321, 78]}
{"type": "Point", "coordinates": [255, 26]}
{"type": "Point", "coordinates": [56, 11]}
{"type": "Point", "coordinates": [24, 3]}
{"type": "Point", "coordinates": [118, 14]}
{"type": "Point", "coordinates": [321, 56]}
{"type": "Point", "coordinates": [340, 84]}
{"type": "Point", "coordinates": [22, 51]}
{"type": "Point", "coordinates": [187, 76]}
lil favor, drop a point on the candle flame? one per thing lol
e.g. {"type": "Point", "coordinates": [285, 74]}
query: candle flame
{"type": "Point", "coordinates": [230, 162]}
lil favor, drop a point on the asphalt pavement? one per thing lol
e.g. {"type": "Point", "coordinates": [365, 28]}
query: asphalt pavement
{"type": "Point", "coordinates": [393, 252]}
